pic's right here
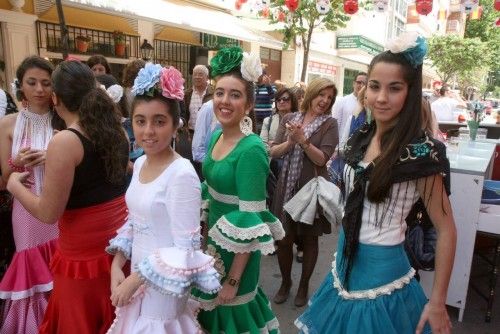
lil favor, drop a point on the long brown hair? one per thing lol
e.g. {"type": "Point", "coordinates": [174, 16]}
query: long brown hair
{"type": "Point", "coordinates": [75, 85]}
{"type": "Point", "coordinates": [407, 127]}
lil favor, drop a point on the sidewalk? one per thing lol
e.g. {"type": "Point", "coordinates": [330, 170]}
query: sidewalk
{"type": "Point", "coordinates": [270, 278]}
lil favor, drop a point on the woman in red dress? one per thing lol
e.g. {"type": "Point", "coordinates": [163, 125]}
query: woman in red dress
{"type": "Point", "coordinates": [83, 188]}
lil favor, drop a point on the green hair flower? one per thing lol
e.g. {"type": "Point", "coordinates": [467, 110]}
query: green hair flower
{"type": "Point", "coordinates": [226, 60]}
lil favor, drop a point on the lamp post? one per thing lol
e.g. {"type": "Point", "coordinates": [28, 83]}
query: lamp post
{"type": "Point", "coordinates": [146, 50]}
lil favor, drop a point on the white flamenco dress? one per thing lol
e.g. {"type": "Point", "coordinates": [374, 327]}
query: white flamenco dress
{"type": "Point", "coordinates": [162, 238]}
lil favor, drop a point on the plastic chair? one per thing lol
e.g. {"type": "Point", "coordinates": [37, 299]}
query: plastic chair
{"type": "Point", "coordinates": [487, 246]}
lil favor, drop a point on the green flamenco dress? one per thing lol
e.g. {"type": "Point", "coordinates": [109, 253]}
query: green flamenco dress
{"type": "Point", "coordinates": [234, 195]}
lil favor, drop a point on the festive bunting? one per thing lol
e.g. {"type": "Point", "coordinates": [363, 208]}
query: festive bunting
{"type": "Point", "coordinates": [380, 5]}
{"type": "Point", "coordinates": [351, 6]}
{"type": "Point", "coordinates": [468, 6]}
{"type": "Point", "coordinates": [497, 5]}
{"type": "Point", "coordinates": [281, 16]}
{"type": "Point", "coordinates": [424, 7]}
{"type": "Point", "coordinates": [292, 5]}
{"type": "Point", "coordinates": [476, 13]}
{"type": "Point", "coordinates": [322, 6]}
{"type": "Point", "coordinates": [238, 4]}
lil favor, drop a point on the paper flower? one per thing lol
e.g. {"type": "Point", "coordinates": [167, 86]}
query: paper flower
{"type": "Point", "coordinates": [115, 92]}
{"type": "Point", "coordinates": [251, 68]}
{"type": "Point", "coordinates": [226, 60]}
{"type": "Point", "coordinates": [172, 83]}
{"type": "Point", "coordinates": [146, 79]}
{"type": "Point", "coordinates": [412, 46]}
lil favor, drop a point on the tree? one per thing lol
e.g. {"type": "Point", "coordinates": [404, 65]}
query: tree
{"type": "Point", "coordinates": [453, 56]}
{"type": "Point", "coordinates": [304, 21]}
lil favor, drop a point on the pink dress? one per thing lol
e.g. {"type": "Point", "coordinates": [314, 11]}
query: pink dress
{"type": "Point", "coordinates": [27, 283]}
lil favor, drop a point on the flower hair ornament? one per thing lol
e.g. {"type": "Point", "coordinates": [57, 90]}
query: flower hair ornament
{"type": "Point", "coordinates": [411, 45]}
{"type": "Point", "coordinates": [15, 86]}
{"type": "Point", "coordinates": [154, 79]}
{"type": "Point", "coordinates": [234, 59]}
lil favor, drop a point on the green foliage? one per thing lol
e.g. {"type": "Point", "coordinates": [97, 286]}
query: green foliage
{"type": "Point", "coordinates": [118, 37]}
{"type": "Point", "coordinates": [305, 20]}
{"type": "Point", "coordinates": [454, 56]}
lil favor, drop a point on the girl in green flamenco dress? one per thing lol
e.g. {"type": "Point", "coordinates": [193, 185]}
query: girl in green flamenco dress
{"type": "Point", "coordinates": [240, 229]}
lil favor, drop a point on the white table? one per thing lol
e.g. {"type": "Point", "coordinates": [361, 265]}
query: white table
{"type": "Point", "coordinates": [470, 166]}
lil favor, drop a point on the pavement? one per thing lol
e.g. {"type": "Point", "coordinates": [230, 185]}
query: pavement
{"type": "Point", "coordinates": [286, 313]}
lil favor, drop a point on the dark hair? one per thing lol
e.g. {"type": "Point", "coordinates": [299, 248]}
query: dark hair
{"type": "Point", "coordinates": [443, 90]}
{"type": "Point", "coordinates": [293, 98]}
{"type": "Point", "coordinates": [407, 127]}
{"type": "Point", "coordinates": [75, 85]}
{"type": "Point", "coordinates": [99, 59]}
{"type": "Point", "coordinates": [249, 91]}
{"type": "Point", "coordinates": [108, 80]}
{"type": "Point", "coordinates": [361, 73]}
{"type": "Point", "coordinates": [173, 107]}
{"type": "Point", "coordinates": [130, 72]}
{"type": "Point", "coordinates": [37, 62]}
{"type": "Point", "coordinates": [27, 64]}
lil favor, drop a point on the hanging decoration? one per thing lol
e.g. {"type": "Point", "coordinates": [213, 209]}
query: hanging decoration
{"type": "Point", "coordinates": [237, 4]}
{"type": "Point", "coordinates": [323, 6]}
{"type": "Point", "coordinates": [281, 16]}
{"type": "Point", "coordinates": [243, 1]}
{"type": "Point", "coordinates": [265, 12]}
{"type": "Point", "coordinates": [380, 5]}
{"type": "Point", "coordinates": [497, 5]}
{"type": "Point", "coordinates": [292, 5]}
{"type": "Point", "coordinates": [476, 13]}
{"type": "Point", "coordinates": [424, 7]}
{"type": "Point", "coordinates": [497, 23]}
{"type": "Point", "coordinates": [468, 6]}
{"type": "Point", "coordinates": [351, 6]}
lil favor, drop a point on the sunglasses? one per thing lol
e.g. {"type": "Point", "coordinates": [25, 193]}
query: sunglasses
{"type": "Point", "coordinates": [283, 99]}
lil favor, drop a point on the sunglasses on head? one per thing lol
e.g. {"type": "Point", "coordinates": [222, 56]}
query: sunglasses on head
{"type": "Point", "coordinates": [283, 99]}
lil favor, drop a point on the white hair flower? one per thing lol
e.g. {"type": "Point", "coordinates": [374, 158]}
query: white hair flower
{"type": "Point", "coordinates": [403, 42]}
{"type": "Point", "coordinates": [115, 92]}
{"type": "Point", "coordinates": [14, 87]}
{"type": "Point", "coordinates": [251, 68]}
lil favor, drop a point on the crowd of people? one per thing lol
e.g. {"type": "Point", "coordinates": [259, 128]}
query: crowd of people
{"type": "Point", "coordinates": [146, 206]}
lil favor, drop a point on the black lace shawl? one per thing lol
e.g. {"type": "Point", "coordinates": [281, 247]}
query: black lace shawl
{"type": "Point", "coordinates": [423, 157]}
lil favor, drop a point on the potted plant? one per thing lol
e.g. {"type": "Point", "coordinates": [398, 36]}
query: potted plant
{"type": "Point", "coordinates": [82, 43]}
{"type": "Point", "coordinates": [119, 39]}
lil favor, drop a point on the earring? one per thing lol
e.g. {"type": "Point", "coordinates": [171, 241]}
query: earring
{"type": "Point", "coordinates": [246, 125]}
{"type": "Point", "coordinates": [25, 104]}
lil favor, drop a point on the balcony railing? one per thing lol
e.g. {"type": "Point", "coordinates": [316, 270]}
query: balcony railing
{"type": "Point", "coordinates": [175, 54]}
{"type": "Point", "coordinates": [101, 42]}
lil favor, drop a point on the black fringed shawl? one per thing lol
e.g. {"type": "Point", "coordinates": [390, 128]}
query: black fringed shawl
{"type": "Point", "coordinates": [423, 157]}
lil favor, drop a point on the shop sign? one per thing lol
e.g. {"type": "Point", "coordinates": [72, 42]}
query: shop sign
{"type": "Point", "coordinates": [316, 67]}
{"type": "Point", "coordinates": [214, 42]}
{"type": "Point", "coordinates": [359, 42]}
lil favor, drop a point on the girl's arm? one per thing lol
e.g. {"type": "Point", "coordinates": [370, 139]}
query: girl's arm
{"type": "Point", "coordinates": [230, 286]}
{"type": "Point", "coordinates": [64, 153]}
{"type": "Point", "coordinates": [438, 207]}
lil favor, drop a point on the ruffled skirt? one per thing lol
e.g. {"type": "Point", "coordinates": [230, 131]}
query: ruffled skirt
{"type": "Point", "coordinates": [383, 296]}
{"type": "Point", "coordinates": [254, 316]}
{"type": "Point", "coordinates": [153, 312]}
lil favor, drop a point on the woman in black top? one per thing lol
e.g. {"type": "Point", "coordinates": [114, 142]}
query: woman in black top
{"type": "Point", "coordinates": [83, 188]}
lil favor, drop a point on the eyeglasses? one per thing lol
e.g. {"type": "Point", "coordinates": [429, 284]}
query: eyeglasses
{"type": "Point", "coordinates": [360, 82]}
{"type": "Point", "coordinates": [283, 99]}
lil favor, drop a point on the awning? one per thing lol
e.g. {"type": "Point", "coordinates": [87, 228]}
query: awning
{"type": "Point", "coordinates": [183, 15]}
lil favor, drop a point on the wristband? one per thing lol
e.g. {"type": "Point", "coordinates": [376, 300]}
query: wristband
{"type": "Point", "coordinates": [14, 167]}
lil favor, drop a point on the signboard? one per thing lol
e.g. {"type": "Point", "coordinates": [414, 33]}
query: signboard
{"type": "Point", "coordinates": [213, 42]}
{"type": "Point", "coordinates": [316, 67]}
{"type": "Point", "coordinates": [359, 42]}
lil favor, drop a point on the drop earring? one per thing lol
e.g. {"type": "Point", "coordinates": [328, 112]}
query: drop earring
{"type": "Point", "coordinates": [246, 125]}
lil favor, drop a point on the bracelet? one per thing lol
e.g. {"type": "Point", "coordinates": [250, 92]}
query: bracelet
{"type": "Point", "coordinates": [14, 167]}
{"type": "Point", "coordinates": [233, 281]}
{"type": "Point", "coordinates": [305, 144]}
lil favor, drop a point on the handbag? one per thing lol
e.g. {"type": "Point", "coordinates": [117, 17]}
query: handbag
{"type": "Point", "coordinates": [421, 238]}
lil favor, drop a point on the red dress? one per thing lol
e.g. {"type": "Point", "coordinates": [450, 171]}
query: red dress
{"type": "Point", "coordinates": [80, 301]}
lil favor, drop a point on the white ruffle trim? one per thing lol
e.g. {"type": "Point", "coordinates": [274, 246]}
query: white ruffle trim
{"type": "Point", "coordinates": [386, 289]}
{"type": "Point", "coordinates": [210, 304]}
{"type": "Point", "coordinates": [265, 248]}
{"type": "Point", "coordinates": [241, 233]}
{"type": "Point", "coordinates": [16, 295]}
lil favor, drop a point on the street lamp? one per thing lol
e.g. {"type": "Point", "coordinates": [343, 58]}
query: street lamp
{"type": "Point", "coordinates": [146, 50]}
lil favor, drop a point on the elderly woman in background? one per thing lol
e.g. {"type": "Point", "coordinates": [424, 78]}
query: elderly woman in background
{"type": "Point", "coordinates": [305, 140]}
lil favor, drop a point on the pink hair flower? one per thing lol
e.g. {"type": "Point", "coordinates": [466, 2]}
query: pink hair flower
{"type": "Point", "coordinates": [172, 83]}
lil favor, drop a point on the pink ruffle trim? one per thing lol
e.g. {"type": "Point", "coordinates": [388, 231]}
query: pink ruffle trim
{"type": "Point", "coordinates": [29, 272]}
{"type": "Point", "coordinates": [99, 266]}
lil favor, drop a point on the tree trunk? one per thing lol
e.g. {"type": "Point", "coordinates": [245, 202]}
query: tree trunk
{"type": "Point", "coordinates": [306, 43]}
{"type": "Point", "coordinates": [64, 29]}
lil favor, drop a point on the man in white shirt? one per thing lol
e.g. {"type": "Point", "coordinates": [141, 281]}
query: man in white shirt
{"type": "Point", "coordinates": [195, 96]}
{"type": "Point", "coordinates": [344, 107]}
{"type": "Point", "coordinates": [444, 106]}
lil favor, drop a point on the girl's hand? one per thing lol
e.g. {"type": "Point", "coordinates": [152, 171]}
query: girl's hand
{"type": "Point", "coordinates": [123, 293]}
{"type": "Point", "coordinates": [16, 178]}
{"type": "Point", "coordinates": [117, 277]}
{"type": "Point", "coordinates": [20, 159]}
{"type": "Point", "coordinates": [227, 293]}
{"type": "Point", "coordinates": [35, 158]}
{"type": "Point", "coordinates": [437, 316]}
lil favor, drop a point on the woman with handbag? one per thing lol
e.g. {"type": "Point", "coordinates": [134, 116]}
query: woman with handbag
{"type": "Point", "coordinates": [390, 164]}
{"type": "Point", "coordinates": [305, 140]}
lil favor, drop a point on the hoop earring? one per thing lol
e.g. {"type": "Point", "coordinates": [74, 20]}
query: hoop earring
{"type": "Point", "coordinates": [246, 125]}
